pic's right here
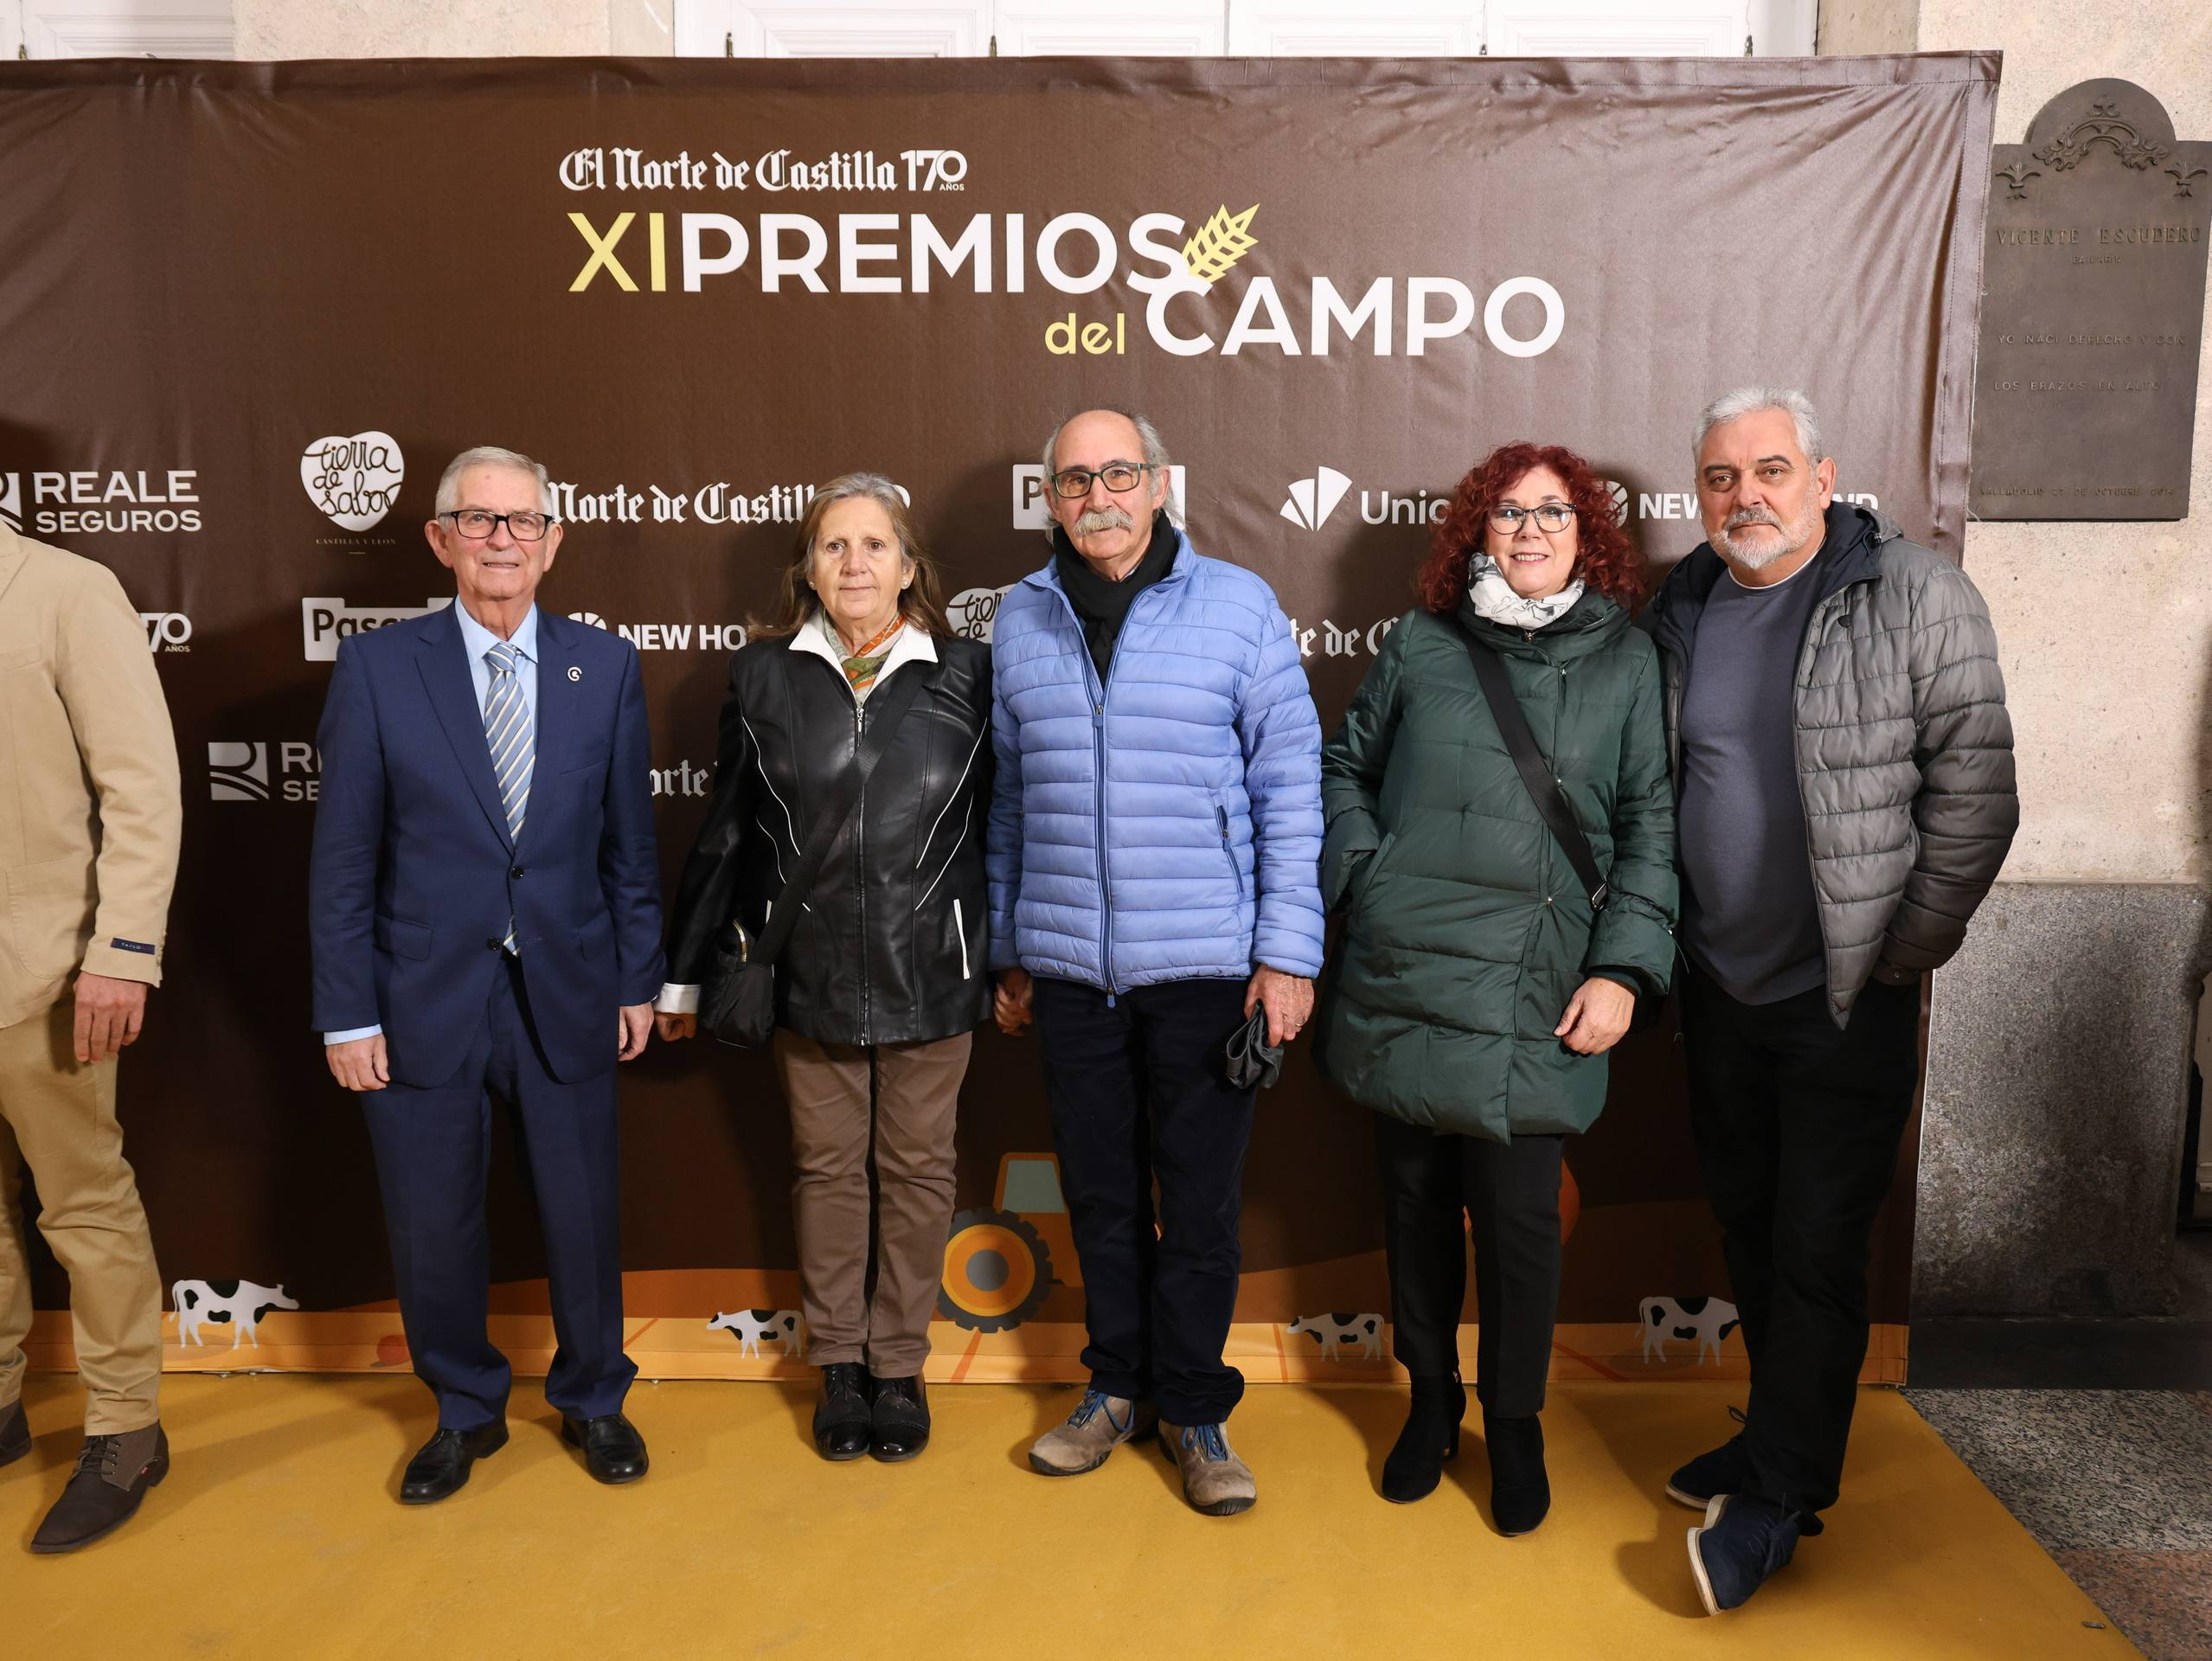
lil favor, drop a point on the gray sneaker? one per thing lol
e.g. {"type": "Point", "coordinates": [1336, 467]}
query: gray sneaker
{"type": "Point", "coordinates": [1214, 1480]}
{"type": "Point", "coordinates": [1100, 1424]}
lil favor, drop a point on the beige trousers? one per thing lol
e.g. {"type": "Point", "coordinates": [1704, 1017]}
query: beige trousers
{"type": "Point", "coordinates": [904, 1099]}
{"type": "Point", "coordinates": [58, 1117]}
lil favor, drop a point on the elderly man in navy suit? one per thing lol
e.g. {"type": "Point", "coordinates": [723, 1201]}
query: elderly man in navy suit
{"type": "Point", "coordinates": [487, 923]}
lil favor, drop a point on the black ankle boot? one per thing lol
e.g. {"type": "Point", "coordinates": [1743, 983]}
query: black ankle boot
{"type": "Point", "coordinates": [1520, 1492]}
{"type": "Point", "coordinates": [1431, 1436]}
{"type": "Point", "coordinates": [842, 1411]}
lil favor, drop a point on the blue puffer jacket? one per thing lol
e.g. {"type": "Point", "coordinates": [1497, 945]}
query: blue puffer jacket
{"type": "Point", "coordinates": [1169, 826]}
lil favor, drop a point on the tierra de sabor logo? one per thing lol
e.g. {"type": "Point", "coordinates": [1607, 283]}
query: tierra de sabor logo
{"type": "Point", "coordinates": [1196, 301]}
{"type": "Point", "coordinates": [355, 481]}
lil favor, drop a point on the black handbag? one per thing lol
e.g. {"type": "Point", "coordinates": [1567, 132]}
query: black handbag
{"type": "Point", "coordinates": [739, 1007]}
{"type": "Point", "coordinates": [1543, 787]}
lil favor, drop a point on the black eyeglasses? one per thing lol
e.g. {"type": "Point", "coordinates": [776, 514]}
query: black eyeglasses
{"type": "Point", "coordinates": [1549, 516]}
{"type": "Point", "coordinates": [1116, 476]}
{"type": "Point", "coordinates": [477, 523]}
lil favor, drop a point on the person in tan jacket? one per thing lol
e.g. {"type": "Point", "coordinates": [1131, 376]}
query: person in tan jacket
{"type": "Point", "coordinates": [89, 821]}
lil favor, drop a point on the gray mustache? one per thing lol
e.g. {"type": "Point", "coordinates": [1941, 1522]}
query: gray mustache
{"type": "Point", "coordinates": [1103, 519]}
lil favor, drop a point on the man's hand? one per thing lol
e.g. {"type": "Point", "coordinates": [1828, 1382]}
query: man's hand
{"type": "Point", "coordinates": [1597, 1017]}
{"type": "Point", "coordinates": [109, 1014]}
{"type": "Point", "coordinates": [1012, 1003]}
{"type": "Point", "coordinates": [1289, 999]}
{"type": "Point", "coordinates": [359, 1064]}
{"type": "Point", "coordinates": [671, 1026]}
{"type": "Point", "coordinates": [631, 1030]}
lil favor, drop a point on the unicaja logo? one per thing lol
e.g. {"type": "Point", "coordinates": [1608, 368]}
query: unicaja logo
{"type": "Point", "coordinates": [238, 772]}
{"type": "Point", "coordinates": [1312, 500]}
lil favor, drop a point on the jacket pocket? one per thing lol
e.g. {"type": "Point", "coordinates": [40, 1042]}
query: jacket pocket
{"type": "Point", "coordinates": [1367, 871]}
{"type": "Point", "coordinates": [1228, 850]}
{"type": "Point", "coordinates": [50, 906]}
{"type": "Point", "coordinates": [596, 938]}
{"type": "Point", "coordinates": [402, 938]}
{"type": "Point", "coordinates": [960, 934]}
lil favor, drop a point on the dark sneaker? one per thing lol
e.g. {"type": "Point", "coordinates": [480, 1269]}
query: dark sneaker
{"type": "Point", "coordinates": [14, 1433]}
{"type": "Point", "coordinates": [111, 1480]}
{"type": "Point", "coordinates": [1744, 1539]}
{"type": "Point", "coordinates": [1726, 1469]}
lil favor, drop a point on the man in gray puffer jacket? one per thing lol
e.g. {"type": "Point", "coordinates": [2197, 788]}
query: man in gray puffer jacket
{"type": "Point", "coordinates": [1843, 764]}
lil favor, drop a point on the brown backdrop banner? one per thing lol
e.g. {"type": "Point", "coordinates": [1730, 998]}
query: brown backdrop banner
{"type": "Point", "coordinates": [248, 312]}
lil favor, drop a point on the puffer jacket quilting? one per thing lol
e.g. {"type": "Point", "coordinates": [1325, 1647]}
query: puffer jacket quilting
{"type": "Point", "coordinates": [1166, 826]}
{"type": "Point", "coordinates": [1904, 747]}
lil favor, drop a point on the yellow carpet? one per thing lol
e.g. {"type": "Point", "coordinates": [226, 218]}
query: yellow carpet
{"type": "Point", "coordinates": [277, 1534]}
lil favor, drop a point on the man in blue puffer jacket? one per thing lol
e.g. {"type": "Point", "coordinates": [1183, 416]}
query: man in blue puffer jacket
{"type": "Point", "coordinates": [1154, 845]}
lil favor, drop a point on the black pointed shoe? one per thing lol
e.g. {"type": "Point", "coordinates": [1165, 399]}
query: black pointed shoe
{"type": "Point", "coordinates": [614, 1451]}
{"type": "Point", "coordinates": [105, 1491]}
{"type": "Point", "coordinates": [899, 1420]}
{"type": "Point", "coordinates": [1431, 1437]}
{"type": "Point", "coordinates": [1520, 1492]}
{"type": "Point", "coordinates": [843, 1419]}
{"type": "Point", "coordinates": [14, 1433]}
{"type": "Point", "coordinates": [440, 1468]}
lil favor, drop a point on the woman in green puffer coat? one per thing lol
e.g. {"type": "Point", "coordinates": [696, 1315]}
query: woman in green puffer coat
{"type": "Point", "coordinates": [1475, 994]}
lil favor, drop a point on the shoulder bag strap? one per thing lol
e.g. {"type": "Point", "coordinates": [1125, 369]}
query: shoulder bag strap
{"type": "Point", "coordinates": [891, 706]}
{"type": "Point", "coordinates": [1535, 772]}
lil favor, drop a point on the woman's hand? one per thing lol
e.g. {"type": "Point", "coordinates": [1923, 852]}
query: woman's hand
{"type": "Point", "coordinates": [1597, 1017]}
{"type": "Point", "coordinates": [1010, 1001]}
{"type": "Point", "coordinates": [673, 1027]}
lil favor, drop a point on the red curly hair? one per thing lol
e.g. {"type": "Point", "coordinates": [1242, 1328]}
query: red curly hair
{"type": "Point", "coordinates": [1605, 560]}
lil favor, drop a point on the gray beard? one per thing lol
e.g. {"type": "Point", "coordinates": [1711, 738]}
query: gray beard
{"type": "Point", "coordinates": [1792, 539]}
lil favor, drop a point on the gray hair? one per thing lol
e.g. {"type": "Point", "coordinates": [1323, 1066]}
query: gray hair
{"type": "Point", "coordinates": [488, 455]}
{"type": "Point", "coordinates": [1155, 452]}
{"type": "Point", "coordinates": [1749, 400]}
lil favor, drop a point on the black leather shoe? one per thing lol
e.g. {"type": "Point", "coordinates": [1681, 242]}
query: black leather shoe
{"type": "Point", "coordinates": [1520, 1492]}
{"type": "Point", "coordinates": [112, 1477]}
{"type": "Point", "coordinates": [843, 1423]}
{"type": "Point", "coordinates": [614, 1451]}
{"type": "Point", "coordinates": [441, 1469]}
{"type": "Point", "coordinates": [900, 1423]}
{"type": "Point", "coordinates": [14, 1433]}
{"type": "Point", "coordinates": [1431, 1436]}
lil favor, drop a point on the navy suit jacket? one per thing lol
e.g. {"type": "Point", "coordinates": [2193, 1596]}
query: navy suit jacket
{"type": "Point", "coordinates": [415, 876]}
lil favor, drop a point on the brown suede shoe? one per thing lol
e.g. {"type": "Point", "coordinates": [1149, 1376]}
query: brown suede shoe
{"type": "Point", "coordinates": [1100, 1424]}
{"type": "Point", "coordinates": [1214, 1480]}
{"type": "Point", "coordinates": [14, 1433]}
{"type": "Point", "coordinates": [112, 1475]}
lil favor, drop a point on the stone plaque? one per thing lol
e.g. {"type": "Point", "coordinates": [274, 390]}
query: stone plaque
{"type": "Point", "coordinates": [2092, 313]}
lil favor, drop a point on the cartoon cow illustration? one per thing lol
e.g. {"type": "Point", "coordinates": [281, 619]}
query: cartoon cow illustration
{"type": "Point", "coordinates": [1332, 1332]}
{"type": "Point", "coordinates": [1708, 1320]}
{"type": "Point", "coordinates": [777, 1326]}
{"type": "Point", "coordinates": [239, 1302]}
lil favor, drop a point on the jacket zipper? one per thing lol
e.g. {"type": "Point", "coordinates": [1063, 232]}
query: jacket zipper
{"type": "Point", "coordinates": [860, 882]}
{"type": "Point", "coordinates": [1236, 871]}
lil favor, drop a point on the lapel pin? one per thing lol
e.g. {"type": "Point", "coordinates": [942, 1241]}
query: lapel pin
{"type": "Point", "coordinates": [575, 674]}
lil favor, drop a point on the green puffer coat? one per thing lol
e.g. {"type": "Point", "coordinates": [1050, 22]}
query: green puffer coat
{"type": "Point", "coordinates": [1468, 930]}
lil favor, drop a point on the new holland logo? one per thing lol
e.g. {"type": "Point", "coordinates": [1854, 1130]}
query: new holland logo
{"type": "Point", "coordinates": [11, 501]}
{"type": "Point", "coordinates": [238, 772]}
{"type": "Point", "coordinates": [1312, 500]}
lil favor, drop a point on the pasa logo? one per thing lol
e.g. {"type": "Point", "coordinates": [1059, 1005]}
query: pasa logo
{"type": "Point", "coordinates": [1312, 500]}
{"type": "Point", "coordinates": [324, 622]}
{"type": "Point", "coordinates": [238, 772]}
{"type": "Point", "coordinates": [356, 481]}
{"type": "Point", "coordinates": [1032, 511]}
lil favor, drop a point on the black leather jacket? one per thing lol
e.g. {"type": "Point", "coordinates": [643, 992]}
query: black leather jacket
{"type": "Point", "coordinates": [891, 948]}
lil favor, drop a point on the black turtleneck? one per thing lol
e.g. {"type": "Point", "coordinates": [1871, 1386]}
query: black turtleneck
{"type": "Point", "coordinates": [1101, 605]}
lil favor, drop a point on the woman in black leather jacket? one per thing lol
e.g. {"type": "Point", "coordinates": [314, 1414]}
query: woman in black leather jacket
{"type": "Point", "coordinates": [882, 981]}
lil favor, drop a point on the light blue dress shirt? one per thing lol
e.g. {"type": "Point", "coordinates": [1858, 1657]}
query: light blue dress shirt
{"type": "Point", "coordinates": [477, 640]}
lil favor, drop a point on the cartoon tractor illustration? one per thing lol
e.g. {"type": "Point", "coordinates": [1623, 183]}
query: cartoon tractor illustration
{"type": "Point", "coordinates": [998, 1263]}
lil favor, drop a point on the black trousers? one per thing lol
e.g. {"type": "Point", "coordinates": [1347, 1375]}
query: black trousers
{"type": "Point", "coordinates": [1796, 1124]}
{"type": "Point", "coordinates": [1509, 1193]}
{"type": "Point", "coordinates": [1138, 1090]}
{"type": "Point", "coordinates": [433, 1150]}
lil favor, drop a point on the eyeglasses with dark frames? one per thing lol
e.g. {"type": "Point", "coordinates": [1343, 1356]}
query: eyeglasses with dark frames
{"type": "Point", "coordinates": [477, 523]}
{"type": "Point", "coordinates": [1117, 476]}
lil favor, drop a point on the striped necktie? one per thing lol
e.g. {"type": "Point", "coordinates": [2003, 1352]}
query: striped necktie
{"type": "Point", "coordinates": [514, 746]}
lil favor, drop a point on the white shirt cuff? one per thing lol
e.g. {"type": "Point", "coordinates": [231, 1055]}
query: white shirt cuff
{"type": "Point", "coordinates": [350, 1034]}
{"type": "Point", "coordinates": [677, 1000]}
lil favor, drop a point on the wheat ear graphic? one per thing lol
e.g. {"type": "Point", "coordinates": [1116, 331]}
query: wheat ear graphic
{"type": "Point", "coordinates": [1220, 243]}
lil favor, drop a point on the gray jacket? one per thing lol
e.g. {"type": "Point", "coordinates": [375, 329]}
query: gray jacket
{"type": "Point", "coordinates": [1904, 747]}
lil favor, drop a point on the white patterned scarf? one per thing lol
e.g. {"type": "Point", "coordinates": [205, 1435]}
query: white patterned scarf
{"type": "Point", "coordinates": [1494, 598]}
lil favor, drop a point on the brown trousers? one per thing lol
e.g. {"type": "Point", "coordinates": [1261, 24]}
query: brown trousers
{"type": "Point", "coordinates": [902, 1097]}
{"type": "Point", "coordinates": [58, 1117]}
